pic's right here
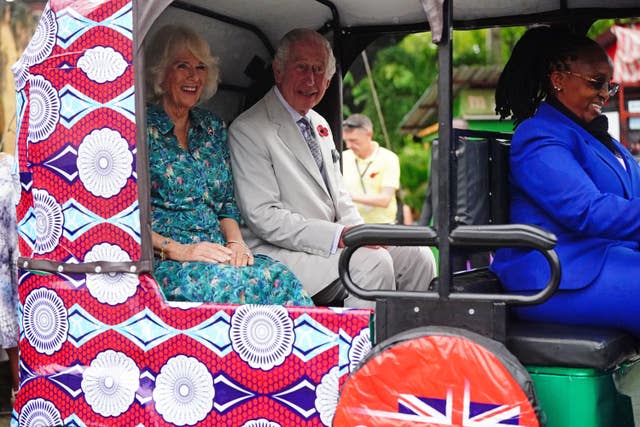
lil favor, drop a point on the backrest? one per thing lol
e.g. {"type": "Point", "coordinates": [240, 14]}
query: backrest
{"type": "Point", "coordinates": [481, 167]}
{"type": "Point", "coordinates": [480, 192]}
{"type": "Point", "coordinates": [482, 170]}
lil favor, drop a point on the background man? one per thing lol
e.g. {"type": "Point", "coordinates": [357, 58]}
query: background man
{"type": "Point", "coordinates": [288, 183]}
{"type": "Point", "coordinates": [371, 172]}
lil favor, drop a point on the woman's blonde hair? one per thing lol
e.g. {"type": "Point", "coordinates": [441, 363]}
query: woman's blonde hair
{"type": "Point", "coordinates": [162, 49]}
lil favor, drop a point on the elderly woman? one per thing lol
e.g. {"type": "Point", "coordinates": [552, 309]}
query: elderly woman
{"type": "Point", "coordinates": [569, 176]}
{"type": "Point", "coordinates": [201, 255]}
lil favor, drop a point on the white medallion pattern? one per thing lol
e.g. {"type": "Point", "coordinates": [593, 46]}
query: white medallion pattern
{"type": "Point", "coordinates": [261, 422]}
{"type": "Point", "coordinates": [39, 413]}
{"type": "Point", "coordinates": [44, 108]}
{"type": "Point", "coordinates": [263, 336]}
{"type": "Point", "coordinates": [327, 396]}
{"type": "Point", "coordinates": [20, 72]}
{"type": "Point", "coordinates": [104, 162]}
{"type": "Point", "coordinates": [102, 64]}
{"type": "Point", "coordinates": [110, 288]}
{"type": "Point", "coordinates": [48, 221]}
{"type": "Point", "coordinates": [184, 391]}
{"type": "Point", "coordinates": [45, 321]}
{"type": "Point", "coordinates": [110, 383]}
{"type": "Point", "coordinates": [360, 347]}
{"type": "Point", "coordinates": [43, 40]}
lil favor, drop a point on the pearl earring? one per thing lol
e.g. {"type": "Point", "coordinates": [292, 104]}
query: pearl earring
{"type": "Point", "coordinates": [558, 89]}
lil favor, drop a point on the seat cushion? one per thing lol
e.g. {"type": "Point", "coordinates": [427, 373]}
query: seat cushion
{"type": "Point", "coordinates": [331, 296]}
{"type": "Point", "coordinates": [545, 344]}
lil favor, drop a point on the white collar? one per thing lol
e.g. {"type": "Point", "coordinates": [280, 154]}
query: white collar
{"type": "Point", "coordinates": [294, 114]}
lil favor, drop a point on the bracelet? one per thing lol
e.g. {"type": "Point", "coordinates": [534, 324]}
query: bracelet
{"type": "Point", "coordinates": [164, 244]}
{"type": "Point", "coordinates": [238, 242]}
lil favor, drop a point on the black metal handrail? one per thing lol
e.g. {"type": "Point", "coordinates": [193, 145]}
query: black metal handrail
{"type": "Point", "coordinates": [509, 235]}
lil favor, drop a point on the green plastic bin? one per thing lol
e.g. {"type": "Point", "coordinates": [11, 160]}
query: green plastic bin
{"type": "Point", "coordinates": [580, 397]}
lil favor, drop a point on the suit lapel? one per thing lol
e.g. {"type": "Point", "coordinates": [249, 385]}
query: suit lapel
{"type": "Point", "coordinates": [603, 152]}
{"type": "Point", "coordinates": [325, 149]}
{"type": "Point", "coordinates": [633, 172]}
{"type": "Point", "coordinates": [290, 135]}
{"type": "Point", "coordinates": [609, 158]}
{"type": "Point", "coordinates": [327, 144]}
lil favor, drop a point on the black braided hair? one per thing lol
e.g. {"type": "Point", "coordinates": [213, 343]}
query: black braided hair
{"type": "Point", "coordinates": [525, 82]}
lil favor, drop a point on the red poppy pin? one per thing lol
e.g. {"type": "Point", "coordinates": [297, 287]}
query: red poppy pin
{"type": "Point", "coordinates": [373, 174]}
{"type": "Point", "coordinates": [322, 131]}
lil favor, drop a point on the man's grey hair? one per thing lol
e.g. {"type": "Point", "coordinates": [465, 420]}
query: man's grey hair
{"type": "Point", "coordinates": [298, 35]}
{"type": "Point", "coordinates": [358, 121]}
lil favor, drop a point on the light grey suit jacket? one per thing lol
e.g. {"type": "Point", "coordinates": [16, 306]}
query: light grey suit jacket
{"type": "Point", "coordinates": [288, 210]}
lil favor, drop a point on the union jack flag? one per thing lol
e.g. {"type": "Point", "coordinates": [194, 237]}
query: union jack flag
{"type": "Point", "coordinates": [441, 411]}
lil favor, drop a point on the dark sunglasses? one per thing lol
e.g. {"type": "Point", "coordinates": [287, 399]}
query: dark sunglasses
{"type": "Point", "coordinates": [352, 125]}
{"type": "Point", "coordinates": [597, 84]}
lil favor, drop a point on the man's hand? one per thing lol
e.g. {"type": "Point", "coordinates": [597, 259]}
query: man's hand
{"type": "Point", "coordinates": [349, 227]}
{"type": "Point", "coordinates": [344, 230]}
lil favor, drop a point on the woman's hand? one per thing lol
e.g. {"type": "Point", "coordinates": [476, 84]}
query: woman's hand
{"type": "Point", "coordinates": [241, 254]}
{"type": "Point", "coordinates": [204, 252]}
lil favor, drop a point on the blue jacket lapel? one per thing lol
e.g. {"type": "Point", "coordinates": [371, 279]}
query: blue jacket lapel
{"type": "Point", "coordinates": [603, 152]}
{"type": "Point", "coordinates": [633, 171]}
{"type": "Point", "coordinates": [610, 159]}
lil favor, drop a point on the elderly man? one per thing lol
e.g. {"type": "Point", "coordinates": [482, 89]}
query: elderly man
{"type": "Point", "coordinates": [288, 183]}
{"type": "Point", "coordinates": [371, 172]}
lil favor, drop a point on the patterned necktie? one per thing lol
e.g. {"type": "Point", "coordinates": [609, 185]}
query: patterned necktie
{"type": "Point", "coordinates": [311, 141]}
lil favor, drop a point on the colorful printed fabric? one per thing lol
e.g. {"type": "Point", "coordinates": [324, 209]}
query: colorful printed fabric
{"type": "Point", "coordinates": [8, 255]}
{"type": "Point", "coordinates": [190, 192]}
{"type": "Point", "coordinates": [105, 349]}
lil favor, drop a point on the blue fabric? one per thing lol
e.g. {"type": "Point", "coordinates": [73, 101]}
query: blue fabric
{"type": "Point", "coordinates": [609, 301]}
{"type": "Point", "coordinates": [565, 181]}
{"type": "Point", "coordinates": [191, 190]}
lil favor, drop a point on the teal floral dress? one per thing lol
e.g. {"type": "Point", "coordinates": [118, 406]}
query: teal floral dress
{"type": "Point", "coordinates": [191, 190]}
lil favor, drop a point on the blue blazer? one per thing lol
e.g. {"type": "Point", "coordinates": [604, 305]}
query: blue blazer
{"type": "Point", "coordinates": [567, 182]}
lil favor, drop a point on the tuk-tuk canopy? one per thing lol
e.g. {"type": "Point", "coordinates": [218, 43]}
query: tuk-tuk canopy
{"type": "Point", "coordinates": [359, 13]}
{"type": "Point", "coordinates": [80, 87]}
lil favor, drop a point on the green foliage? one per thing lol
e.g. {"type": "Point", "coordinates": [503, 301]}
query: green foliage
{"type": "Point", "coordinates": [415, 160]}
{"type": "Point", "coordinates": [509, 37]}
{"type": "Point", "coordinates": [602, 25]}
{"type": "Point", "coordinates": [470, 47]}
{"type": "Point", "coordinates": [401, 73]}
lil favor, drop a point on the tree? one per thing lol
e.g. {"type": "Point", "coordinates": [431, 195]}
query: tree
{"type": "Point", "coordinates": [401, 73]}
{"type": "Point", "coordinates": [17, 24]}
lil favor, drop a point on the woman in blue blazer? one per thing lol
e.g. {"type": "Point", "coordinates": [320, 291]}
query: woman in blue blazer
{"type": "Point", "coordinates": [570, 177]}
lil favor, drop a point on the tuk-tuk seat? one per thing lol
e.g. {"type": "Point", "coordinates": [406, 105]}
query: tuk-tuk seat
{"type": "Point", "coordinates": [549, 344]}
{"type": "Point", "coordinates": [331, 296]}
{"type": "Point", "coordinates": [534, 343]}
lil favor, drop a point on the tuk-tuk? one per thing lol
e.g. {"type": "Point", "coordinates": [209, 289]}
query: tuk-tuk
{"type": "Point", "coordinates": [100, 345]}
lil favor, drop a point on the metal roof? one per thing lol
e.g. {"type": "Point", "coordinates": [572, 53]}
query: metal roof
{"type": "Point", "coordinates": [425, 110]}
